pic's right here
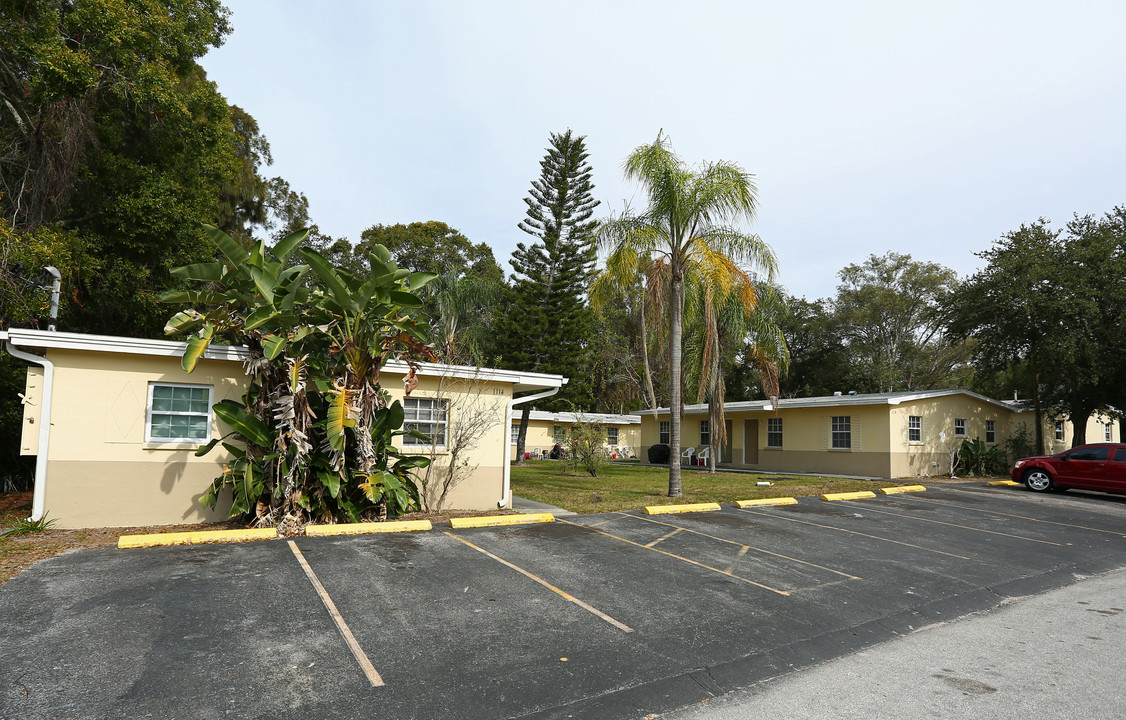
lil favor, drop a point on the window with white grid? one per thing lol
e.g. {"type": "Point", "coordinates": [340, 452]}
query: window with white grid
{"type": "Point", "coordinates": [427, 416]}
{"type": "Point", "coordinates": [178, 413]}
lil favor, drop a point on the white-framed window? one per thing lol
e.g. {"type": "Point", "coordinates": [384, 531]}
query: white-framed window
{"type": "Point", "coordinates": [1059, 430]}
{"type": "Point", "coordinates": [705, 433]}
{"type": "Point", "coordinates": [1108, 433]}
{"type": "Point", "coordinates": [774, 432]}
{"type": "Point", "coordinates": [559, 434]}
{"type": "Point", "coordinates": [612, 436]}
{"type": "Point", "coordinates": [666, 432]}
{"type": "Point", "coordinates": [178, 413]}
{"type": "Point", "coordinates": [841, 427]}
{"type": "Point", "coordinates": [959, 427]}
{"type": "Point", "coordinates": [990, 431]}
{"type": "Point", "coordinates": [428, 416]}
{"type": "Point", "coordinates": [514, 434]}
{"type": "Point", "coordinates": [914, 428]}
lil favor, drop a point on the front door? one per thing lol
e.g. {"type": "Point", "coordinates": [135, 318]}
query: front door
{"type": "Point", "coordinates": [726, 455]}
{"type": "Point", "coordinates": [750, 442]}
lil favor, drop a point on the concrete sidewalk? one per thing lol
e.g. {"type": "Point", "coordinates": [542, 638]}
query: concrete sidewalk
{"type": "Point", "coordinates": [1053, 655]}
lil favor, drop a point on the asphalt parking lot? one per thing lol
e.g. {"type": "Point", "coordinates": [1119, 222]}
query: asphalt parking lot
{"type": "Point", "coordinates": [619, 615]}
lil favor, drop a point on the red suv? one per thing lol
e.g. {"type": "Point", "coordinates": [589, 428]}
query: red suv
{"type": "Point", "coordinates": [1101, 466]}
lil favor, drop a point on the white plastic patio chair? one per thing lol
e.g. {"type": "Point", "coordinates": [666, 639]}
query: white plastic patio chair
{"type": "Point", "coordinates": [703, 455]}
{"type": "Point", "coordinates": [687, 455]}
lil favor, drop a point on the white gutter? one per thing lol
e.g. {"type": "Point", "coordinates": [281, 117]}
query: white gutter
{"type": "Point", "coordinates": [39, 498]}
{"type": "Point", "coordinates": [506, 498]}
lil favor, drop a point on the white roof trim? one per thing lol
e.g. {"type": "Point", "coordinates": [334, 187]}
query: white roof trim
{"type": "Point", "coordinates": [237, 353]}
{"type": "Point", "coordinates": [571, 417]}
{"type": "Point", "coordinates": [832, 401]}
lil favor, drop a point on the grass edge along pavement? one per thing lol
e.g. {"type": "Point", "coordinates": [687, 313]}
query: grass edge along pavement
{"type": "Point", "coordinates": [631, 486]}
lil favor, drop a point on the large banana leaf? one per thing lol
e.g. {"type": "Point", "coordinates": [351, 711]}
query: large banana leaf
{"type": "Point", "coordinates": [201, 272]}
{"type": "Point", "coordinates": [197, 346]}
{"type": "Point", "coordinates": [230, 249]}
{"type": "Point", "coordinates": [244, 423]}
{"type": "Point", "coordinates": [336, 418]}
{"type": "Point", "coordinates": [288, 244]}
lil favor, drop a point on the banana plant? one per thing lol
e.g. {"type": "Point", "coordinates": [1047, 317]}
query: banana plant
{"type": "Point", "coordinates": [316, 426]}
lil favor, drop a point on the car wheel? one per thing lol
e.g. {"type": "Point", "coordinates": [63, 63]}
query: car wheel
{"type": "Point", "coordinates": [1038, 480]}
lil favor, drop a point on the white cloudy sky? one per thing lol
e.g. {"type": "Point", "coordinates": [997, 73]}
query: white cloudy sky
{"type": "Point", "coordinates": [927, 128]}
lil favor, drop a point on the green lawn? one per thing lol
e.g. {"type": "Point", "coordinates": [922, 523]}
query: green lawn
{"type": "Point", "coordinates": [629, 486]}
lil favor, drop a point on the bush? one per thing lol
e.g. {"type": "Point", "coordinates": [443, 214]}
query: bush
{"type": "Point", "coordinates": [586, 448]}
{"type": "Point", "coordinates": [659, 454]}
{"type": "Point", "coordinates": [977, 458]}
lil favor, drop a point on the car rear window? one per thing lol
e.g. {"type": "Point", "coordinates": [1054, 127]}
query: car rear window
{"type": "Point", "coordinates": [1089, 453]}
{"type": "Point", "coordinates": [1119, 455]}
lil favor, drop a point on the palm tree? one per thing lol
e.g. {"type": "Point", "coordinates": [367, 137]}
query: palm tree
{"type": "Point", "coordinates": [723, 316]}
{"type": "Point", "coordinates": [687, 225]}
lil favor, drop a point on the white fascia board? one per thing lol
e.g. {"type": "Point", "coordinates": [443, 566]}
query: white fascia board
{"type": "Point", "coordinates": [929, 394]}
{"type": "Point", "coordinates": [169, 348]}
{"type": "Point", "coordinates": [109, 343]}
{"type": "Point", "coordinates": [596, 418]}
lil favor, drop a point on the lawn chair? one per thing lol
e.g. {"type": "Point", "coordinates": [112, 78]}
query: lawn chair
{"type": "Point", "coordinates": [687, 455]}
{"type": "Point", "coordinates": [703, 455]}
{"type": "Point", "coordinates": [623, 452]}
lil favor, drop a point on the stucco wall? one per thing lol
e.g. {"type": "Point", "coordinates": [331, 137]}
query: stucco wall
{"type": "Point", "coordinates": [938, 437]}
{"type": "Point", "coordinates": [541, 433]}
{"type": "Point", "coordinates": [476, 414]}
{"type": "Point", "coordinates": [102, 473]}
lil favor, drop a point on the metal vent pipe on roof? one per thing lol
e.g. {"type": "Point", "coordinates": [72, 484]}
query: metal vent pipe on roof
{"type": "Point", "coordinates": [56, 290]}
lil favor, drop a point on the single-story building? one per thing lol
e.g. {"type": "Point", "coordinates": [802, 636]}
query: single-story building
{"type": "Point", "coordinates": [545, 429]}
{"type": "Point", "coordinates": [114, 423]}
{"type": "Point", "coordinates": [897, 434]}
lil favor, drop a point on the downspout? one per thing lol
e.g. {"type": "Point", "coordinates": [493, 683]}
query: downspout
{"type": "Point", "coordinates": [506, 498]}
{"type": "Point", "coordinates": [39, 499]}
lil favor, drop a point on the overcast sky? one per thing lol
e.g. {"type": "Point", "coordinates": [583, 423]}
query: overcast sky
{"type": "Point", "coordinates": [925, 128]}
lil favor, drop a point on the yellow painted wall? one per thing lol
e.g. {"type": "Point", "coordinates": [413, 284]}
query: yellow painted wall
{"type": "Point", "coordinates": [101, 473]}
{"type": "Point", "coordinates": [32, 407]}
{"type": "Point", "coordinates": [478, 482]}
{"type": "Point", "coordinates": [931, 455]}
{"type": "Point", "coordinates": [541, 435]}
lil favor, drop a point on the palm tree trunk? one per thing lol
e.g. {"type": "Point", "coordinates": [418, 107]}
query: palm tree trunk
{"type": "Point", "coordinates": [676, 318]}
{"type": "Point", "coordinates": [645, 357]}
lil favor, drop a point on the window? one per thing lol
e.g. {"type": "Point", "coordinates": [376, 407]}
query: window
{"type": "Point", "coordinates": [1059, 429]}
{"type": "Point", "coordinates": [914, 428]}
{"type": "Point", "coordinates": [705, 433]}
{"type": "Point", "coordinates": [774, 432]}
{"type": "Point", "coordinates": [990, 431]}
{"type": "Point", "coordinates": [514, 434]}
{"type": "Point", "coordinates": [1108, 433]}
{"type": "Point", "coordinates": [559, 434]}
{"type": "Point", "coordinates": [842, 432]}
{"type": "Point", "coordinates": [960, 427]}
{"type": "Point", "coordinates": [611, 436]}
{"type": "Point", "coordinates": [178, 413]}
{"type": "Point", "coordinates": [428, 416]}
{"type": "Point", "coordinates": [1096, 453]}
{"type": "Point", "coordinates": [666, 433]}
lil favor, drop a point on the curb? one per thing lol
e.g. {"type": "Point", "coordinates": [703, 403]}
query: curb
{"type": "Point", "coordinates": [902, 489]}
{"type": "Point", "coordinates": [495, 520]}
{"type": "Point", "coordinates": [195, 538]}
{"type": "Point", "coordinates": [766, 502]}
{"type": "Point", "coordinates": [669, 509]}
{"type": "Point", "coordinates": [367, 528]}
{"type": "Point", "coordinates": [830, 497]}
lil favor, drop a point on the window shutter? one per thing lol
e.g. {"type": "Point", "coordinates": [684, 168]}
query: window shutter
{"type": "Point", "coordinates": [824, 428]}
{"type": "Point", "coordinates": [857, 435]}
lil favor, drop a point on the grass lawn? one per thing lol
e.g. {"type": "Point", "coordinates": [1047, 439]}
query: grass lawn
{"type": "Point", "coordinates": [629, 486]}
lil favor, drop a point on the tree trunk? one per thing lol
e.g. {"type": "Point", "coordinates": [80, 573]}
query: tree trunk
{"type": "Point", "coordinates": [1079, 417]}
{"type": "Point", "coordinates": [645, 357]}
{"type": "Point", "coordinates": [522, 436]}
{"type": "Point", "coordinates": [676, 317]}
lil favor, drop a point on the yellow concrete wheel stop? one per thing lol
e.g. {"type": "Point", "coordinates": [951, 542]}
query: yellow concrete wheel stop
{"type": "Point", "coordinates": [848, 496]}
{"type": "Point", "coordinates": [902, 489]}
{"type": "Point", "coordinates": [670, 509]}
{"type": "Point", "coordinates": [194, 538]}
{"type": "Point", "coordinates": [367, 528]}
{"type": "Point", "coordinates": [496, 520]}
{"type": "Point", "coordinates": [1004, 483]}
{"type": "Point", "coordinates": [766, 502]}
